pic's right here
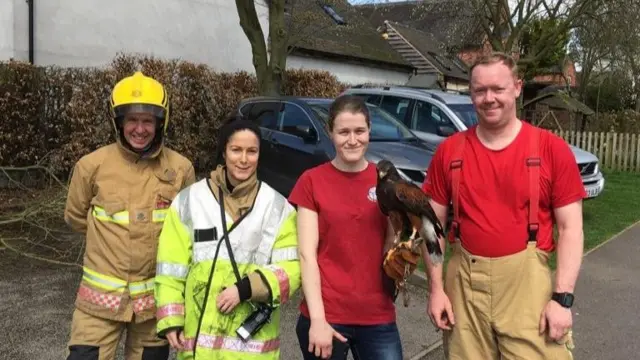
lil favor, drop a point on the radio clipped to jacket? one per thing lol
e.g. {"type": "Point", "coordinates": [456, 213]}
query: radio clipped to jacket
{"type": "Point", "coordinates": [254, 322]}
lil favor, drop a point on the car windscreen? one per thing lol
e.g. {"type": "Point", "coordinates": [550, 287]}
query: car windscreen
{"type": "Point", "coordinates": [384, 127]}
{"type": "Point", "coordinates": [466, 113]}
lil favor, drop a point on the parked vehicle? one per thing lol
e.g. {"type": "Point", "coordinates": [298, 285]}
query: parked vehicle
{"type": "Point", "coordinates": [295, 138]}
{"type": "Point", "coordinates": [434, 114]}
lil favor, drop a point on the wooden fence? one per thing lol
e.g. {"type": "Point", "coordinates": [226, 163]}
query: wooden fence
{"type": "Point", "coordinates": [616, 151]}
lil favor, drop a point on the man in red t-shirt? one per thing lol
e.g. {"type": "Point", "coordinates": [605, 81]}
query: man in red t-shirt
{"type": "Point", "coordinates": [497, 300]}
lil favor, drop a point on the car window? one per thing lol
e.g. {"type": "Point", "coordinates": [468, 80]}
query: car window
{"type": "Point", "coordinates": [373, 99]}
{"type": "Point", "coordinates": [466, 113]}
{"type": "Point", "coordinates": [245, 109]}
{"type": "Point", "coordinates": [293, 118]}
{"type": "Point", "coordinates": [429, 118]}
{"type": "Point", "coordinates": [383, 125]}
{"type": "Point", "coordinates": [265, 113]}
{"type": "Point", "coordinates": [396, 106]}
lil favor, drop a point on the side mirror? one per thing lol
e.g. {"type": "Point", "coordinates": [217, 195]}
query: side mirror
{"type": "Point", "coordinates": [307, 133]}
{"type": "Point", "coordinates": [446, 131]}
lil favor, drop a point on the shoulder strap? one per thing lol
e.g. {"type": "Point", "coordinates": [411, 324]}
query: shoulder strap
{"type": "Point", "coordinates": [456, 167]}
{"type": "Point", "coordinates": [533, 165]}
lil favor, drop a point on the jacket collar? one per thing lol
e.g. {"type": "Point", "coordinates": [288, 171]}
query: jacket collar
{"type": "Point", "coordinates": [241, 193]}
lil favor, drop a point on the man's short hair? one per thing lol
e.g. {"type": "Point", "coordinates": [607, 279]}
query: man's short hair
{"type": "Point", "coordinates": [496, 57]}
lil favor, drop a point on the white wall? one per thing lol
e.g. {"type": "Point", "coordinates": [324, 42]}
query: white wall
{"type": "Point", "coordinates": [349, 72]}
{"type": "Point", "coordinates": [6, 30]}
{"type": "Point", "coordinates": [91, 33]}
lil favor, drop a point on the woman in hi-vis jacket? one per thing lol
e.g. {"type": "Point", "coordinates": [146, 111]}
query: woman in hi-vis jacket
{"type": "Point", "coordinates": [227, 258]}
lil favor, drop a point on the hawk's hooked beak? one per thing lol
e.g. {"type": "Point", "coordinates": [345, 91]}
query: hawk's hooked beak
{"type": "Point", "coordinates": [382, 174]}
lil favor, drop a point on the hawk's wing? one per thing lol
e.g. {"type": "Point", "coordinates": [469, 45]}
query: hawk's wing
{"type": "Point", "coordinates": [415, 201]}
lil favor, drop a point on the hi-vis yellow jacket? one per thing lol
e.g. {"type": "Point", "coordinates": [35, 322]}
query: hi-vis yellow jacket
{"type": "Point", "coordinates": [264, 243]}
{"type": "Point", "coordinates": [120, 201]}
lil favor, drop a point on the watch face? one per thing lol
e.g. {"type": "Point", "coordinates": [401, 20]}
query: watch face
{"type": "Point", "coordinates": [568, 299]}
{"type": "Point", "coordinates": [564, 299]}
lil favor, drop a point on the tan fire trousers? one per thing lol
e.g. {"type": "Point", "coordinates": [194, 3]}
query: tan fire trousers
{"type": "Point", "coordinates": [97, 338]}
{"type": "Point", "coordinates": [497, 303]}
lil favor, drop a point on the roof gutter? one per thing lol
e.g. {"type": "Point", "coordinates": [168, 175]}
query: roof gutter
{"type": "Point", "coordinates": [31, 32]}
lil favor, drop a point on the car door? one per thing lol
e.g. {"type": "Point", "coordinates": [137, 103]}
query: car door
{"type": "Point", "coordinates": [265, 113]}
{"type": "Point", "coordinates": [397, 106]}
{"type": "Point", "coordinates": [297, 144]}
{"type": "Point", "coordinates": [429, 120]}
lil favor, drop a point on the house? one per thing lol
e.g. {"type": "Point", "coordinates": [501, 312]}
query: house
{"type": "Point", "coordinates": [438, 36]}
{"type": "Point", "coordinates": [434, 67]}
{"type": "Point", "coordinates": [91, 33]}
{"type": "Point", "coordinates": [448, 28]}
{"type": "Point", "coordinates": [333, 36]}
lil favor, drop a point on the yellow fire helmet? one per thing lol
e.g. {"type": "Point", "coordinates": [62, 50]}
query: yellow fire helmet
{"type": "Point", "coordinates": [140, 93]}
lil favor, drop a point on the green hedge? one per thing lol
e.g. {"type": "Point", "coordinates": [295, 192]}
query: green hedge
{"type": "Point", "coordinates": [60, 114]}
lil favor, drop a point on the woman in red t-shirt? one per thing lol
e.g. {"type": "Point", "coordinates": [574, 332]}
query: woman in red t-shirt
{"type": "Point", "coordinates": [342, 234]}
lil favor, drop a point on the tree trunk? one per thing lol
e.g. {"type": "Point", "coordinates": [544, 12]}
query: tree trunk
{"type": "Point", "coordinates": [272, 84]}
{"type": "Point", "coordinates": [269, 69]}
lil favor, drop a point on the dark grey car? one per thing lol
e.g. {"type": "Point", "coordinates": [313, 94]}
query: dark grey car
{"type": "Point", "coordinates": [295, 138]}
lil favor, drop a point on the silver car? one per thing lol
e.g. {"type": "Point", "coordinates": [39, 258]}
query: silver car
{"type": "Point", "coordinates": [434, 114]}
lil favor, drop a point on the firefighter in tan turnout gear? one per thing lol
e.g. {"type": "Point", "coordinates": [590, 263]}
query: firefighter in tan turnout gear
{"type": "Point", "coordinates": [119, 196]}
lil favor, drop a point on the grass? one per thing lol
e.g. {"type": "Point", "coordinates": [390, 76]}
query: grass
{"type": "Point", "coordinates": [617, 207]}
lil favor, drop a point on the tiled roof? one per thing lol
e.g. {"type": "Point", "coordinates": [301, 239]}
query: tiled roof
{"type": "Point", "coordinates": [432, 50]}
{"type": "Point", "coordinates": [346, 35]}
{"type": "Point", "coordinates": [454, 23]}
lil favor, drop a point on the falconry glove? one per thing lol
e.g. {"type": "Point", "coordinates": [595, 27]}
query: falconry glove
{"type": "Point", "coordinates": [401, 261]}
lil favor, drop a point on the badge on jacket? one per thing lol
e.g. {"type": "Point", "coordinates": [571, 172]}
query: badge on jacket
{"type": "Point", "coordinates": [162, 203]}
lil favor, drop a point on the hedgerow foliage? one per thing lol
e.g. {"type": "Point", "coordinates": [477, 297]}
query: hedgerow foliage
{"type": "Point", "coordinates": [58, 114]}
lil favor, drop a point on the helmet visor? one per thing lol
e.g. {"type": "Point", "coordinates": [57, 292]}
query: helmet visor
{"type": "Point", "coordinates": [123, 110]}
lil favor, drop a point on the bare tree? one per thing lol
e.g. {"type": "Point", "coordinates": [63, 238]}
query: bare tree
{"type": "Point", "coordinates": [290, 21]}
{"type": "Point", "coordinates": [625, 17]}
{"type": "Point", "coordinates": [269, 69]}
{"type": "Point", "coordinates": [591, 45]}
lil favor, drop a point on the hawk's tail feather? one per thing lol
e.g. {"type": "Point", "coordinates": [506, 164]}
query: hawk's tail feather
{"type": "Point", "coordinates": [435, 253]}
{"type": "Point", "coordinates": [431, 235]}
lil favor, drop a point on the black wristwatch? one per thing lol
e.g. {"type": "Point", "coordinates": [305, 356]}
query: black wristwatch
{"type": "Point", "coordinates": [565, 299]}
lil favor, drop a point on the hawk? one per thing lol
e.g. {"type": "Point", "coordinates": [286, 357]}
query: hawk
{"type": "Point", "coordinates": [408, 209]}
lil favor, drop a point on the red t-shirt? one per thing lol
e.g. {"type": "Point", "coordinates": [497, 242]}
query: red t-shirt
{"type": "Point", "coordinates": [494, 190]}
{"type": "Point", "coordinates": [350, 246]}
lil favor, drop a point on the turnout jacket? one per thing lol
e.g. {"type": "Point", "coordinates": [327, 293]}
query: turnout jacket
{"type": "Point", "coordinates": [264, 246]}
{"type": "Point", "coordinates": [120, 201]}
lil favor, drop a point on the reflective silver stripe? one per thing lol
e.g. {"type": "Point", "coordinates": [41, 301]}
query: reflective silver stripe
{"type": "Point", "coordinates": [203, 251]}
{"type": "Point", "coordinates": [232, 344]}
{"type": "Point", "coordinates": [102, 281]}
{"type": "Point", "coordinates": [169, 269]}
{"type": "Point", "coordinates": [141, 287]}
{"type": "Point", "coordinates": [159, 215]}
{"type": "Point", "coordinates": [284, 254]}
{"type": "Point", "coordinates": [270, 230]}
{"type": "Point", "coordinates": [121, 217]}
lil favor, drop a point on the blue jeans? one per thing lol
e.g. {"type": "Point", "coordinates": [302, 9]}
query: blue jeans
{"type": "Point", "coordinates": [367, 342]}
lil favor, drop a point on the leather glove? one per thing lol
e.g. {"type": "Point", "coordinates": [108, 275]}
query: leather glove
{"type": "Point", "coordinates": [396, 259]}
